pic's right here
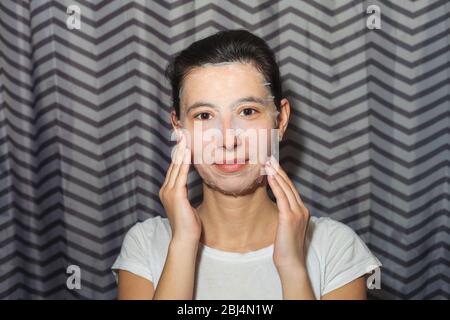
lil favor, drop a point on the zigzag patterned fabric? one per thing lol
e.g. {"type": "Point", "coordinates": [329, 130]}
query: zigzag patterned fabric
{"type": "Point", "coordinates": [85, 131]}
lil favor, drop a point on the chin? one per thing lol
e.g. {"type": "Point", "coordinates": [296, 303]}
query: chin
{"type": "Point", "coordinates": [236, 189]}
{"type": "Point", "coordinates": [238, 184]}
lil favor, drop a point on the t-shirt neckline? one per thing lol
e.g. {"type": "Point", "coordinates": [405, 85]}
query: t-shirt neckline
{"type": "Point", "coordinates": [230, 255]}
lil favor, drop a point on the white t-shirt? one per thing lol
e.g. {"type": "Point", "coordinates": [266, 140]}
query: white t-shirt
{"type": "Point", "coordinates": [335, 256]}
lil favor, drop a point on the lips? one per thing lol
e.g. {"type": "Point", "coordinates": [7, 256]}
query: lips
{"type": "Point", "coordinates": [235, 166]}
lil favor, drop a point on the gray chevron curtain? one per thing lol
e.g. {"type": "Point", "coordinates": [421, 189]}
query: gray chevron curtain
{"type": "Point", "coordinates": [85, 134]}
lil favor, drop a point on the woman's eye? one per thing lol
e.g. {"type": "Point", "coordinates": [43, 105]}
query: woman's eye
{"type": "Point", "coordinates": [248, 112]}
{"type": "Point", "coordinates": [203, 116]}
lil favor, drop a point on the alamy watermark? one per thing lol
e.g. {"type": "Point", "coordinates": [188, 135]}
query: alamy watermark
{"type": "Point", "coordinates": [374, 20]}
{"type": "Point", "coordinates": [73, 20]}
{"type": "Point", "coordinates": [74, 280]}
{"type": "Point", "coordinates": [373, 281]}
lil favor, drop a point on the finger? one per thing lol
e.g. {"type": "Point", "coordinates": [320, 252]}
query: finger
{"type": "Point", "coordinates": [282, 200]}
{"type": "Point", "coordinates": [169, 170]}
{"type": "Point", "coordinates": [181, 180]}
{"type": "Point", "coordinates": [166, 180]}
{"type": "Point", "coordinates": [178, 160]}
{"type": "Point", "coordinates": [290, 184]}
{"type": "Point", "coordinates": [293, 204]}
{"type": "Point", "coordinates": [286, 178]}
{"type": "Point", "coordinates": [173, 155]}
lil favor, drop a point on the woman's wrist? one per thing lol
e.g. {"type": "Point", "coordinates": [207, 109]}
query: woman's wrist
{"type": "Point", "coordinates": [292, 272]}
{"type": "Point", "coordinates": [296, 284]}
{"type": "Point", "coordinates": [183, 246]}
{"type": "Point", "coordinates": [177, 278]}
{"type": "Point", "coordinates": [293, 265]}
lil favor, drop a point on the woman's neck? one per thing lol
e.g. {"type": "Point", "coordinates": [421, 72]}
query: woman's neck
{"type": "Point", "coordinates": [242, 223]}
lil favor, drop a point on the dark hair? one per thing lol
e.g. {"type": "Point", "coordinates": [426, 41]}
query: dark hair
{"type": "Point", "coordinates": [225, 46]}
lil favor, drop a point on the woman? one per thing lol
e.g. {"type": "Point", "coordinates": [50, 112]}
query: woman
{"type": "Point", "coordinates": [238, 243]}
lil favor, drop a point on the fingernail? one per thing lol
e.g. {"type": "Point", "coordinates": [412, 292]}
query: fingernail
{"type": "Point", "coordinates": [270, 171]}
{"type": "Point", "coordinates": [273, 162]}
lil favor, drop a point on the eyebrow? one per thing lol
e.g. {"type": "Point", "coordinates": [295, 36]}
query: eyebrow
{"type": "Point", "coordinates": [199, 104]}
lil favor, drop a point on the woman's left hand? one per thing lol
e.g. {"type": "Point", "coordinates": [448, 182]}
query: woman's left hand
{"type": "Point", "coordinates": [293, 218]}
{"type": "Point", "coordinates": [289, 247]}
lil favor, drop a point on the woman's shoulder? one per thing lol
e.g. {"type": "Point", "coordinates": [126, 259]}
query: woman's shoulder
{"type": "Point", "coordinates": [326, 230]}
{"type": "Point", "coordinates": [154, 223]}
{"type": "Point", "coordinates": [343, 256]}
{"type": "Point", "coordinates": [152, 229]}
{"type": "Point", "coordinates": [143, 248]}
{"type": "Point", "coordinates": [323, 224]}
{"type": "Point", "coordinates": [332, 240]}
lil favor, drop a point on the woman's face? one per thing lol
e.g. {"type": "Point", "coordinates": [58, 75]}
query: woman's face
{"type": "Point", "coordinates": [229, 117]}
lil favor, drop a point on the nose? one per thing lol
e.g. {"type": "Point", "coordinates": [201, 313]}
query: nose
{"type": "Point", "coordinates": [229, 137]}
{"type": "Point", "coordinates": [230, 141]}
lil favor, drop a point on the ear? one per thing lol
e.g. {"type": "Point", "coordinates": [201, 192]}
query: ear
{"type": "Point", "coordinates": [283, 116]}
{"type": "Point", "coordinates": [174, 120]}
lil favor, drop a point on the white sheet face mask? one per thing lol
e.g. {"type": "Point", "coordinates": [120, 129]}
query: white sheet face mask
{"type": "Point", "coordinates": [243, 132]}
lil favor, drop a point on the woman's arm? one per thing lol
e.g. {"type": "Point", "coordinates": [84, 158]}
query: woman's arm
{"type": "Point", "coordinates": [354, 290]}
{"type": "Point", "coordinates": [134, 287]}
{"type": "Point", "coordinates": [176, 282]}
{"type": "Point", "coordinates": [289, 255]}
{"type": "Point", "coordinates": [177, 278]}
{"type": "Point", "coordinates": [289, 252]}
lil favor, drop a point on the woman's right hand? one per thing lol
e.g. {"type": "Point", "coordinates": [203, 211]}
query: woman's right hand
{"type": "Point", "coordinates": [184, 220]}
